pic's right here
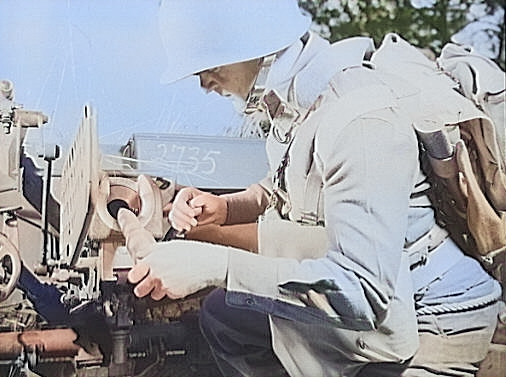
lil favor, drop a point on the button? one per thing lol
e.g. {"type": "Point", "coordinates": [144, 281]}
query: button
{"type": "Point", "coordinates": [249, 301]}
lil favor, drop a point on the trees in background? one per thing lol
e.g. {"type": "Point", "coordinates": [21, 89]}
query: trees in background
{"type": "Point", "coordinates": [424, 23]}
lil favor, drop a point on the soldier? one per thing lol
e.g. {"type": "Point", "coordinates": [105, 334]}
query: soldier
{"type": "Point", "coordinates": [349, 275]}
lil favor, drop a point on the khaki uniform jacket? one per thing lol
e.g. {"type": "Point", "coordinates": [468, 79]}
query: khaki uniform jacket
{"type": "Point", "coordinates": [352, 164]}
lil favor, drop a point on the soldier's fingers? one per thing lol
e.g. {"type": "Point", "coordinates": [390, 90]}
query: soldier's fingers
{"type": "Point", "coordinates": [158, 292]}
{"type": "Point", "coordinates": [463, 184]}
{"type": "Point", "coordinates": [464, 163]}
{"type": "Point", "coordinates": [138, 272]}
{"type": "Point", "coordinates": [202, 200]}
{"type": "Point", "coordinates": [181, 221]}
{"type": "Point", "coordinates": [185, 195]}
{"type": "Point", "coordinates": [197, 211]}
{"type": "Point", "coordinates": [183, 209]}
{"type": "Point", "coordinates": [146, 285]}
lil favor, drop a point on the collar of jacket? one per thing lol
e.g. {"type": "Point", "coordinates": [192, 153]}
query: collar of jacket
{"type": "Point", "coordinates": [303, 72]}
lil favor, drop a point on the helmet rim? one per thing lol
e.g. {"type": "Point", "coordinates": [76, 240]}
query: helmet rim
{"type": "Point", "coordinates": [223, 32]}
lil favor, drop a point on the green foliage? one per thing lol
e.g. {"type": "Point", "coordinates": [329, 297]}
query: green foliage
{"type": "Point", "coordinates": [426, 27]}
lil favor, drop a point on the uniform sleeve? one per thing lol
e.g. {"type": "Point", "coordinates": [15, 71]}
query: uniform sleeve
{"type": "Point", "coordinates": [245, 206]}
{"type": "Point", "coordinates": [368, 169]}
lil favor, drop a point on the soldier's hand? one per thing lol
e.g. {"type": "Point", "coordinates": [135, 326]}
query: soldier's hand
{"type": "Point", "coordinates": [487, 228]}
{"type": "Point", "coordinates": [174, 269]}
{"type": "Point", "coordinates": [192, 207]}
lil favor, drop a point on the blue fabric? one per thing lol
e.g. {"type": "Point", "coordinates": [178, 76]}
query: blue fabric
{"type": "Point", "coordinates": [239, 338]}
{"type": "Point", "coordinates": [450, 277]}
{"type": "Point", "coordinates": [45, 298]}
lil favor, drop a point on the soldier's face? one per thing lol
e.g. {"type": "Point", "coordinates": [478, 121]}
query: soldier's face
{"type": "Point", "coordinates": [232, 79]}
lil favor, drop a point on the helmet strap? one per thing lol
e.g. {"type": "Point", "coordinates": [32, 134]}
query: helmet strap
{"type": "Point", "coordinates": [257, 92]}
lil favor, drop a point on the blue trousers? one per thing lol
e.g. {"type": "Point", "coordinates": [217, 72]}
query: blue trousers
{"type": "Point", "coordinates": [241, 343]}
{"type": "Point", "coordinates": [239, 338]}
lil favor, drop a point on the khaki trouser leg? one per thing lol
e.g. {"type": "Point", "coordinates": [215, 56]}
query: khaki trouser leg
{"type": "Point", "coordinates": [443, 353]}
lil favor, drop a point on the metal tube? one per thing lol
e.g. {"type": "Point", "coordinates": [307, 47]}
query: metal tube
{"type": "Point", "coordinates": [437, 144]}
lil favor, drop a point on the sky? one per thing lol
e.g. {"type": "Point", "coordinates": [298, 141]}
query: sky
{"type": "Point", "coordinates": [63, 54]}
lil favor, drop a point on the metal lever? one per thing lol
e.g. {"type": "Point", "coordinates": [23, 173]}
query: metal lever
{"type": "Point", "coordinates": [172, 234]}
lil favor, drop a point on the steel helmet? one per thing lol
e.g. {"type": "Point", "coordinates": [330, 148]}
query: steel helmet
{"type": "Point", "coordinates": [203, 34]}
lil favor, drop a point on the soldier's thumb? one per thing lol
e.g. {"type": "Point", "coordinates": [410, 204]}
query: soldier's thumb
{"type": "Point", "coordinates": [467, 179]}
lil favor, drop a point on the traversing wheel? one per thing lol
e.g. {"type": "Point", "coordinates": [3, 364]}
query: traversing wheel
{"type": "Point", "coordinates": [10, 267]}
